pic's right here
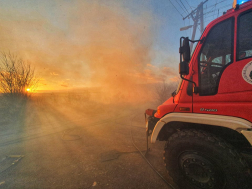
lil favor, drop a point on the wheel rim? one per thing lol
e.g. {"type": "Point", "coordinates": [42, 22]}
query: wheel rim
{"type": "Point", "coordinates": [200, 171]}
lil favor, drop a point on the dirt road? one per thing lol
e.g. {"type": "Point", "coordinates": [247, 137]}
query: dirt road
{"type": "Point", "coordinates": [60, 145]}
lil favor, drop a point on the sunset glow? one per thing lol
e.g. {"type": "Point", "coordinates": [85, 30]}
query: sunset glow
{"type": "Point", "coordinates": [69, 51]}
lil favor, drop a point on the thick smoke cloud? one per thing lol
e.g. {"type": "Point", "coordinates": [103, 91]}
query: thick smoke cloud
{"type": "Point", "coordinates": [87, 44]}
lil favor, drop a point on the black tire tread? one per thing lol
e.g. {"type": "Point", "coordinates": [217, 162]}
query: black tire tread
{"type": "Point", "coordinates": [211, 139]}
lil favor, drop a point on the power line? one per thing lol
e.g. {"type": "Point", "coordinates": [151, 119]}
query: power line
{"type": "Point", "coordinates": [209, 16]}
{"type": "Point", "coordinates": [176, 8]}
{"type": "Point", "coordinates": [188, 4]}
{"type": "Point", "coordinates": [184, 6]}
{"type": "Point", "coordinates": [215, 9]}
{"type": "Point", "coordinates": [216, 4]}
{"type": "Point", "coordinates": [225, 6]}
{"type": "Point", "coordinates": [181, 7]}
{"type": "Point", "coordinates": [217, 15]}
{"type": "Point", "coordinates": [210, 20]}
{"type": "Point", "coordinates": [194, 11]}
{"type": "Point", "coordinates": [212, 10]}
{"type": "Point", "coordinates": [196, 15]}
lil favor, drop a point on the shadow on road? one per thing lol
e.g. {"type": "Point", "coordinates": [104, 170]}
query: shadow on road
{"type": "Point", "coordinates": [63, 142]}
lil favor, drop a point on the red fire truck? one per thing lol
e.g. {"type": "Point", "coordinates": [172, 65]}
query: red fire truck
{"type": "Point", "coordinates": [207, 122]}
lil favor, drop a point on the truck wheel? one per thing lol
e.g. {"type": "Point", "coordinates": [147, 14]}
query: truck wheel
{"type": "Point", "coordinates": [197, 159]}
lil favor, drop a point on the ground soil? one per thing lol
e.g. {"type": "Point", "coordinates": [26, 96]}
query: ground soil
{"type": "Point", "coordinates": [57, 142]}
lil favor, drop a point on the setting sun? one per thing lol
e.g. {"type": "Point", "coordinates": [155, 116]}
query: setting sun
{"type": "Point", "coordinates": [27, 90]}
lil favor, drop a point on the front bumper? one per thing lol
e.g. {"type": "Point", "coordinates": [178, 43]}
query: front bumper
{"type": "Point", "coordinates": [150, 124]}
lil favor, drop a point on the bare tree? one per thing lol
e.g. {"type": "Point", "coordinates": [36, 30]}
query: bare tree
{"type": "Point", "coordinates": [16, 76]}
{"type": "Point", "coordinates": [163, 91]}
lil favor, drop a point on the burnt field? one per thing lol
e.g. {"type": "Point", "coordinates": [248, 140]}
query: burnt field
{"type": "Point", "coordinates": [73, 140]}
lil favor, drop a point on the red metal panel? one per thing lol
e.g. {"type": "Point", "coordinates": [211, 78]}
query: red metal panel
{"type": "Point", "coordinates": [234, 93]}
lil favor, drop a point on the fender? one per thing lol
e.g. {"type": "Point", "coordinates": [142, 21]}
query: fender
{"type": "Point", "coordinates": [238, 124]}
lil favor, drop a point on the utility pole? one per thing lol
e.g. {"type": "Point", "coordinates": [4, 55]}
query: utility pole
{"type": "Point", "coordinates": [196, 15]}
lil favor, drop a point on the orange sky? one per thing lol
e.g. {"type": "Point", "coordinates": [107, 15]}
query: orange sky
{"type": "Point", "coordinates": [85, 45]}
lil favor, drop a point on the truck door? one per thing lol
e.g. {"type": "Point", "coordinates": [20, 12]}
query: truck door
{"type": "Point", "coordinates": [221, 62]}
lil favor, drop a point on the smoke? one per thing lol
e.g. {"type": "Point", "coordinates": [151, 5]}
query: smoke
{"type": "Point", "coordinates": [88, 44]}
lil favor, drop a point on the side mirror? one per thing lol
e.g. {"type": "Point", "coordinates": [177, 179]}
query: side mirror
{"type": "Point", "coordinates": [184, 50]}
{"type": "Point", "coordinates": [173, 93]}
{"type": "Point", "coordinates": [183, 68]}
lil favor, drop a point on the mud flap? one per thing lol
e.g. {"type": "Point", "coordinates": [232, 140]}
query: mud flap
{"type": "Point", "coordinates": [150, 122]}
{"type": "Point", "coordinates": [147, 134]}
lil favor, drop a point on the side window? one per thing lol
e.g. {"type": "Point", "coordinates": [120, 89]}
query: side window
{"type": "Point", "coordinates": [216, 52]}
{"type": "Point", "coordinates": [244, 42]}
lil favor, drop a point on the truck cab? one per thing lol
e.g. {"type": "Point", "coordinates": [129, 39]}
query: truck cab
{"type": "Point", "coordinates": [212, 105]}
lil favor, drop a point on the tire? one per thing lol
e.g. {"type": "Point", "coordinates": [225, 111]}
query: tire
{"type": "Point", "coordinates": [197, 159]}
